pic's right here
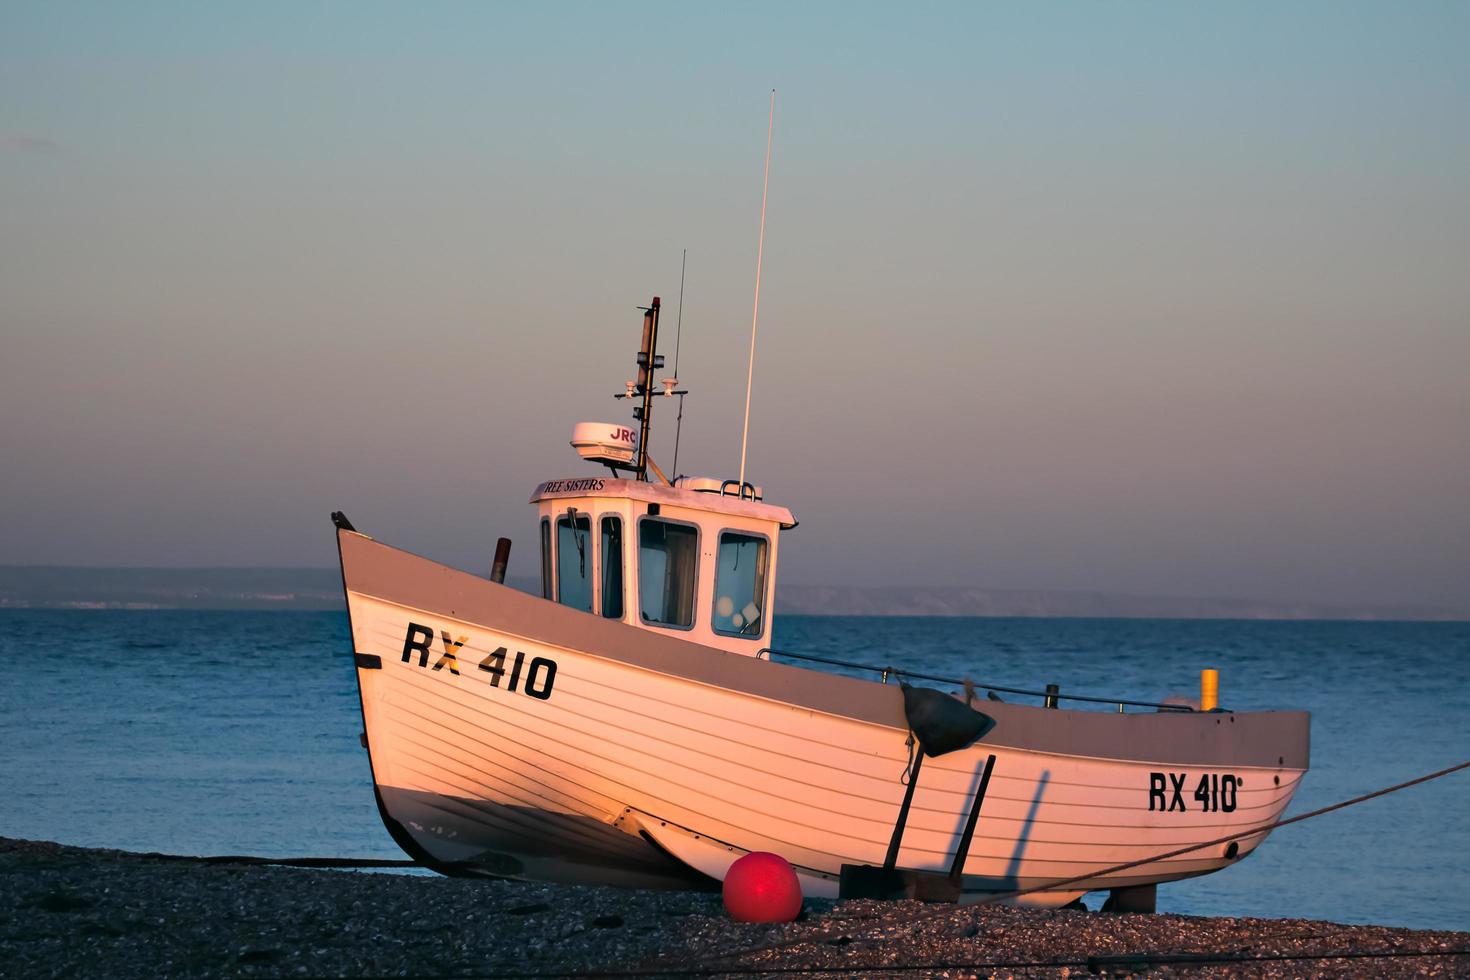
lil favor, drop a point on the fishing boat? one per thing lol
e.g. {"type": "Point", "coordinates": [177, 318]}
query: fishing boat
{"type": "Point", "coordinates": [632, 725]}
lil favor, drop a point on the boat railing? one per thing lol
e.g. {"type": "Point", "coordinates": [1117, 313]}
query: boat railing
{"type": "Point", "coordinates": [1049, 697]}
{"type": "Point", "coordinates": [746, 489]}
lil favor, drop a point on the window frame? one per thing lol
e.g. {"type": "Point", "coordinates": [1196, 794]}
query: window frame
{"type": "Point", "coordinates": [694, 596]}
{"type": "Point", "coordinates": [765, 586]}
{"type": "Point", "coordinates": [622, 560]}
{"type": "Point", "coordinates": [548, 573]}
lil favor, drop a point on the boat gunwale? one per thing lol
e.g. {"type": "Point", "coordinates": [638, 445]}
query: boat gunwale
{"type": "Point", "coordinates": [1277, 740]}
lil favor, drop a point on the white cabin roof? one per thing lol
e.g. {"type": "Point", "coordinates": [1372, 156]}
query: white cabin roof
{"type": "Point", "coordinates": [717, 503]}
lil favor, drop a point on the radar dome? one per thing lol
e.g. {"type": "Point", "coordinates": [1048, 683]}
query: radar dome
{"type": "Point", "coordinates": [609, 443]}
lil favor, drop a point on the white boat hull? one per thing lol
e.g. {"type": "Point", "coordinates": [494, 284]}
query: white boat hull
{"type": "Point", "coordinates": [516, 737]}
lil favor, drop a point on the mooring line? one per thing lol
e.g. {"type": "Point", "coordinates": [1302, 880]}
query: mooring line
{"type": "Point", "coordinates": [1053, 885]}
{"type": "Point", "coordinates": [924, 914]}
{"type": "Point", "coordinates": [293, 862]}
{"type": "Point", "coordinates": [1093, 964]}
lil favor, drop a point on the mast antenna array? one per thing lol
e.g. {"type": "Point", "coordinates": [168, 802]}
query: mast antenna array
{"type": "Point", "coordinates": [649, 361]}
{"type": "Point", "coordinates": [756, 311]}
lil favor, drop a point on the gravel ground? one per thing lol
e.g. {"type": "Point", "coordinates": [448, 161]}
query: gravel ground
{"type": "Point", "coordinates": [67, 911]}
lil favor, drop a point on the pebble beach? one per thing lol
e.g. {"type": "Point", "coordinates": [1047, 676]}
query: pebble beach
{"type": "Point", "coordinates": [68, 911]}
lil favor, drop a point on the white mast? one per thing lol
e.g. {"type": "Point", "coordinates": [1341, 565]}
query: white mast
{"type": "Point", "coordinates": [756, 312]}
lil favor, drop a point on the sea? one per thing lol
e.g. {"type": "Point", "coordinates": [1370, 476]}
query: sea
{"type": "Point", "coordinates": [235, 732]}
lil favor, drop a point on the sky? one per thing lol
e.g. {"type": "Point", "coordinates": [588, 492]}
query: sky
{"type": "Point", "coordinates": [1146, 298]}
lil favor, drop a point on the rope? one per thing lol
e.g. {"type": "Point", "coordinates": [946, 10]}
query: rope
{"type": "Point", "coordinates": [1093, 964]}
{"type": "Point", "coordinates": [292, 862]}
{"type": "Point", "coordinates": [1053, 885]}
{"type": "Point", "coordinates": [927, 914]}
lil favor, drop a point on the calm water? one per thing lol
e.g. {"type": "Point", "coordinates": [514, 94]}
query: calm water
{"type": "Point", "coordinates": [236, 732]}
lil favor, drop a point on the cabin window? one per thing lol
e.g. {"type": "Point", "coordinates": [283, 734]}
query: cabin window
{"type": "Point", "coordinates": [574, 562]}
{"type": "Point", "coordinates": [545, 559]}
{"type": "Point", "coordinates": [740, 585]}
{"type": "Point", "coordinates": [612, 567]}
{"type": "Point", "coordinates": [667, 554]}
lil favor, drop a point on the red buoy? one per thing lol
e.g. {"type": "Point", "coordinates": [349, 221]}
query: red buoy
{"type": "Point", "coordinates": [762, 887]}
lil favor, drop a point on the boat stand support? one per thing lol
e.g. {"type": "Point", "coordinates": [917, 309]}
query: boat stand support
{"type": "Point", "coordinates": [890, 882]}
{"type": "Point", "coordinates": [1135, 898]}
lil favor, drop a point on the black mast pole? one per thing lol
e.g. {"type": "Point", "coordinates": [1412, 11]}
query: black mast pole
{"type": "Point", "coordinates": [647, 362]}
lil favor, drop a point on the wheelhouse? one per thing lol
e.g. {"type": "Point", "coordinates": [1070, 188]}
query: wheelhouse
{"type": "Point", "coordinates": [696, 559]}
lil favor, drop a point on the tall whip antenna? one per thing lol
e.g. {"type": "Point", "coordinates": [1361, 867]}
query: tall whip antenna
{"type": "Point", "coordinates": [756, 312]}
{"type": "Point", "coordinates": [679, 323]}
{"type": "Point", "coordinates": [679, 336]}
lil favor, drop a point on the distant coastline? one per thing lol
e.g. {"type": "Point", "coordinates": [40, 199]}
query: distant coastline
{"type": "Point", "coordinates": [69, 587]}
{"type": "Point", "coordinates": [819, 601]}
{"type": "Point", "coordinates": [306, 589]}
